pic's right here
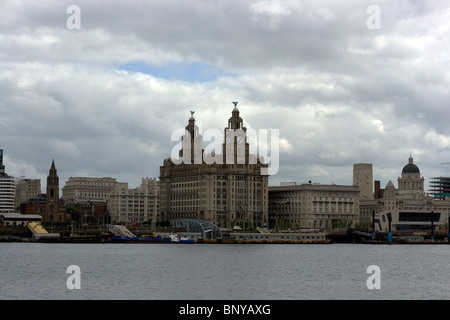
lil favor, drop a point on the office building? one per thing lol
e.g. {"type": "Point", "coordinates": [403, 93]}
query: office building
{"type": "Point", "coordinates": [230, 191]}
{"type": "Point", "coordinates": [27, 189]}
{"type": "Point", "coordinates": [313, 206]}
{"type": "Point", "coordinates": [7, 189]}
{"type": "Point", "coordinates": [86, 188]}
{"type": "Point", "coordinates": [135, 206]}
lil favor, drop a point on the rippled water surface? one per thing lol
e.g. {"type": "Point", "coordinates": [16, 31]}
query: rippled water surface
{"type": "Point", "coordinates": [225, 272]}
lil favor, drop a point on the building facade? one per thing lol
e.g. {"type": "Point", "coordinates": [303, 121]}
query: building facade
{"type": "Point", "coordinates": [440, 187]}
{"type": "Point", "coordinates": [7, 189]}
{"type": "Point", "coordinates": [313, 205]}
{"type": "Point", "coordinates": [27, 189]}
{"type": "Point", "coordinates": [83, 188]}
{"type": "Point", "coordinates": [132, 206]}
{"type": "Point", "coordinates": [407, 208]}
{"type": "Point", "coordinates": [90, 212]}
{"type": "Point", "coordinates": [227, 189]}
{"type": "Point", "coordinates": [363, 178]}
{"type": "Point", "coordinates": [35, 205]}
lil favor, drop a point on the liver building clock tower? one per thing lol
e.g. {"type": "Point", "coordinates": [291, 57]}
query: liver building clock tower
{"type": "Point", "coordinates": [228, 194]}
{"type": "Point", "coordinates": [236, 146]}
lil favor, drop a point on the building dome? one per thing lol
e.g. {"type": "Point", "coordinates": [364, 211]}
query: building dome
{"type": "Point", "coordinates": [390, 185]}
{"type": "Point", "coordinates": [235, 107]}
{"type": "Point", "coordinates": [410, 167]}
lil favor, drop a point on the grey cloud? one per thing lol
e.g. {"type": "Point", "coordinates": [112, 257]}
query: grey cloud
{"type": "Point", "coordinates": [313, 70]}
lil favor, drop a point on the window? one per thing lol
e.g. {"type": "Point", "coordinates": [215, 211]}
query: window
{"type": "Point", "coordinates": [419, 216]}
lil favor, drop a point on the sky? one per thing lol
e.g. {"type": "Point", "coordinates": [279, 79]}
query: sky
{"type": "Point", "coordinates": [101, 87]}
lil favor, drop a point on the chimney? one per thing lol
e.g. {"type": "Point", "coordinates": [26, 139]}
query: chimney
{"type": "Point", "coordinates": [377, 194]}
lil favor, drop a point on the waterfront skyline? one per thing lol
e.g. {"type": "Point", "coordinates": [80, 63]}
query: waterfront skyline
{"type": "Point", "coordinates": [103, 100]}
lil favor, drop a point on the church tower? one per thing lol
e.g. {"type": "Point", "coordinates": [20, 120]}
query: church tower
{"type": "Point", "coordinates": [52, 204]}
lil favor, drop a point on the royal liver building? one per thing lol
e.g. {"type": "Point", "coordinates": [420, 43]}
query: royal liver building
{"type": "Point", "coordinates": [228, 188]}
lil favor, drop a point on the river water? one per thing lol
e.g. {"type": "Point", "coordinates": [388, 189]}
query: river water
{"type": "Point", "coordinates": [223, 271]}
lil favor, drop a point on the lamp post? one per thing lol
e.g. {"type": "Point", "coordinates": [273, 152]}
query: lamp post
{"type": "Point", "coordinates": [373, 220]}
{"type": "Point", "coordinates": [373, 225]}
{"type": "Point", "coordinates": [448, 229]}
{"type": "Point", "coordinates": [432, 224]}
{"type": "Point", "coordinates": [389, 216]}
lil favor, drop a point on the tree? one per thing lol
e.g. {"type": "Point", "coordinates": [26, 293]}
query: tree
{"type": "Point", "coordinates": [75, 213]}
{"type": "Point", "coordinates": [107, 218]}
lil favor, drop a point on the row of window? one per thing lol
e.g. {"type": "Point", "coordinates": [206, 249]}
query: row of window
{"type": "Point", "coordinates": [277, 237]}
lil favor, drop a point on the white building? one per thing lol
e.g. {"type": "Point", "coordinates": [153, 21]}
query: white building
{"type": "Point", "coordinates": [27, 189]}
{"type": "Point", "coordinates": [313, 205]}
{"type": "Point", "coordinates": [138, 205]}
{"type": "Point", "coordinates": [83, 188]}
{"type": "Point", "coordinates": [7, 189]}
{"type": "Point", "coordinates": [407, 208]}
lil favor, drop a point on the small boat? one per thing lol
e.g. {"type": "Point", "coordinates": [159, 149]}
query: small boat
{"type": "Point", "coordinates": [175, 237]}
{"type": "Point", "coordinates": [139, 240]}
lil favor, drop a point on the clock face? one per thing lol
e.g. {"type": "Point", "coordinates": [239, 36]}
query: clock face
{"type": "Point", "coordinates": [228, 139]}
{"type": "Point", "coordinates": [240, 139]}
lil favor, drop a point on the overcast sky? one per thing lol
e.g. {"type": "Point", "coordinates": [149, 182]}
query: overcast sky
{"type": "Point", "coordinates": [344, 82]}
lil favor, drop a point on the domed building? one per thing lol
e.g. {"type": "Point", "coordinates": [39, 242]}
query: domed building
{"type": "Point", "coordinates": [407, 208]}
{"type": "Point", "coordinates": [410, 184]}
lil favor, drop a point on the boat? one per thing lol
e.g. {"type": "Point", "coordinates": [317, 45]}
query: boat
{"type": "Point", "coordinates": [120, 239]}
{"type": "Point", "coordinates": [174, 237]}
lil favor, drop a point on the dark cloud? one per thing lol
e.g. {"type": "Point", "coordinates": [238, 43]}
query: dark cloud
{"type": "Point", "coordinates": [339, 92]}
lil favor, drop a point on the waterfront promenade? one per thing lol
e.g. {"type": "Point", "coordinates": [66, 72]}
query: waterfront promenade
{"type": "Point", "coordinates": [102, 235]}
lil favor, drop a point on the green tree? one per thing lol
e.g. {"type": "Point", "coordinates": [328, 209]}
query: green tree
{"type": "Point", "coordinates": [75, 213]}
{"type": "Point", "coordinates": [107, 218]}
